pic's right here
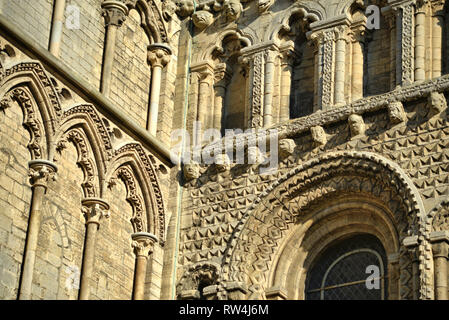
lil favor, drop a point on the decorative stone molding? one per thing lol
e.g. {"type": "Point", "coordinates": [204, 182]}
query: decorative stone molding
{"type": "Point", "coordinates": [143, 243]}
{"type": "Point", "coordinates": [114, 12]}
{"type": "Point", "coordinates": [404, 12]}
{"type": "Point", "coordinates": [23, 97]}
{"type": "Point", "coordinates": [202, 273]}
{"type": "Point", "coordinates": [95, 209]}
{"type": "Point", "coordinates": [133, 199]}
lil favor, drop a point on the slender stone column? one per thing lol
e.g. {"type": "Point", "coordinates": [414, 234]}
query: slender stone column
{"type": "Point", "coordinates": [420, 44]}
{"type": "Point", "coordinates": [143, 244]}
{"type": "Point", "coordinates": [340, 67]}
{"type": "Point", "coordinates": [94, 210]}
{"type": "Point", "coordinates": [437, 37]}
{"type": "Point", "coordinates": [41, 171]}
{"type": "Point", "coordinates": [270, 57]}
{"type": "Point", "coordinates": [204, 107]}
{"type": "Point", "coordinates": [440, 251]}
{"type": "Point", "coordinates": [413, 251]}
{"type": "Point", "coordinates": [286, 83]}
{"type": "Point", "coordinates": [222, 78]}
{"type": "Point", "coordinates": [114, 13]}
{"type": "Point", "coordinates": [358, 44]}
{"type": "Point", "coordinates": [56, 28]}
{"type": "Point", "coordinates": [158, 57]}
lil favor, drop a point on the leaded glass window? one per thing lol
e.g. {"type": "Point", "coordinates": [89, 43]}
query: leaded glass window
{"type": "Point", "coordinates": [352, 269]}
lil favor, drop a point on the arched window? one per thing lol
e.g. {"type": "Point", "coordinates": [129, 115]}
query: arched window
{"type": "Point", "coordinates": [352, 269]}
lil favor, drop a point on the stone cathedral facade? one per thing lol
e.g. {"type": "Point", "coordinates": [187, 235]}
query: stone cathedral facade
{"type": "Point", "coordinates": [95, 204]}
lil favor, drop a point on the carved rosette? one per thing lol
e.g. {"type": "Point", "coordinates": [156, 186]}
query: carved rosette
{"type": "Point", "coordinates": [143, 243]}
{"type": "Point", "coordinates": [41, 171]}
{"type": "Point", "coordinates": [159, 55]}
{"type": "Point", "coordinates": [114, 12]}
{"type": "Point", "coordinates": [94, 209]}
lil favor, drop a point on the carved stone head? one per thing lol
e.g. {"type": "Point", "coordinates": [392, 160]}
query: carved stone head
{"type": "Point", "coordinates": [396, 112]}
{"type": "Point", "coordinates": [264, 5]}
{"type": "Point", "coordinates": [191, 171]}
{"type": "Point", "coordinates": [437, 102]}
{"type": "Point", "coordinates": [356, 124]}
{"type": "Point", "coordinates": [168, 9]}
{"type": "Point", "coordinates": [185, 7]}
{"type": "Point", "coordinates": [222, 162]}
{"type": "Point", "coordinates": [202, 19]}
{"type": "Point", "coordinates": [318, 136]}
{"type": "Point", "coordinates": [233, 9]}
{"type": "Point", "coordinates": [254, 155]}
{"type": "Point", "coordinates": [286, 147]}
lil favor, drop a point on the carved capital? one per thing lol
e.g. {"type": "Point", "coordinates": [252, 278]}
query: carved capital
{"type": "Point", "coordinates": [94, 210]}
{"type": "Point", "coordinates": [41, 171]}
{"type": "Point", "coordinates": [143, 243]}
{"type": "Point", "coordinates": [159, 55]}
{"type": "Point", "coordinates": [437, 7]}
{"type": "Point", "coordinates": [114, 12]}
{"type": "Point", "coordinates": [221, 75]}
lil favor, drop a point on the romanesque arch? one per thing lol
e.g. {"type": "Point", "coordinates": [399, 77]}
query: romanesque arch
{"type": "Point", "coordinates": [338, 178]}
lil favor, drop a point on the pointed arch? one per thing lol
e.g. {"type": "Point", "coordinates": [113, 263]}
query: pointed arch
{"type": "Point", "coordinates": [134, 157]}
{"type": "Point", "coordinates": [82, 125]}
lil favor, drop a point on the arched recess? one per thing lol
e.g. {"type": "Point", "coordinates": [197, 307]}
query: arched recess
{"type": "Point", "coordinates": [338, 218]}
{"type": "Point", "coordinates": [28, 84]}
{"type": "Point", "coordinates": [82, 125]}
{"type": "Point", "coordinates": [229, 87]}
{"type": "Point", "coordinates": [152, 21]}
{"type": "Point", "coordinates": [285, 206]}
{"type": "Point", "coordinates": [297, 64]}
{"type": "Point", "coordinates": [133, 166]}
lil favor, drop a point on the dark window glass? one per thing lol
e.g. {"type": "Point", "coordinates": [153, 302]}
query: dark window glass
{"type": "Point", "coordinates": [342, 270]}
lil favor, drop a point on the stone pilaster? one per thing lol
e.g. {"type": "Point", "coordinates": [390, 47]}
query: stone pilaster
{"type": "Point", "coordinates": [221, 81]}
{"type": "Point", "coordinates": [440, 251]}
{"type": "Point", "coordinates": [41, 172]}
{"type": "Point", "coordinates": [159, 56]}
{"type": "Point", "coordinates": [143, 244]}
{"type": "Point", "coordinates": [437, 36]}
{"type": "Point", "coordinates": [94, 210]}
{"type": "Point", "coordinates": [114, 13]}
